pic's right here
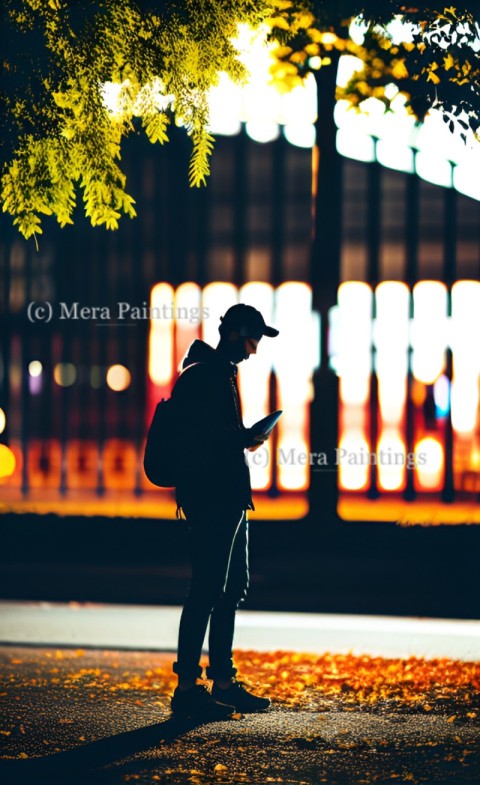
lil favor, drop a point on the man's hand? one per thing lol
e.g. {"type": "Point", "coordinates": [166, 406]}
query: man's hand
{"type": "Point", "coordinates": [258, 441]}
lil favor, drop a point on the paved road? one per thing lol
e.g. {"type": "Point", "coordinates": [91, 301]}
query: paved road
{"type": "Point", "coordinates": [103, 717]}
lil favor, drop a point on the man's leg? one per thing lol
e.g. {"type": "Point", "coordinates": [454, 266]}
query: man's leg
{"type": "Point", "coordinates": [211, 538]}
{"type": "Point", "coordinates": [222, 619]}
{"type": "Point", "coordinates": [226, 688]}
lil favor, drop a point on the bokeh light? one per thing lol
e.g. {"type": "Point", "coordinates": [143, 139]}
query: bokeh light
{"type": "Point", "coordinates": [65, 374]}
{"type": "Point", "coordinates": [7, 461]}
{"type": "Point", "coordinates": [429, 330]}
{"type": "Point", "coordinates": [188, 312]}
{"type": "Point", "coordinates": [354, 341]}
{"type": "Point", "coordinates": [295, 354]}
{"type": "Point", "coordinates": [160, 341]}
{"type": "Point", "coordinates": [254, 377]}
{"type": "Point", "coordinates": [391, 460]}
{"type": "Point", "coordinates": [118, 378]}
{"type": "Point", "coordinates": [217, 298]}
{"type": "Point", "coordinates": [430, 462]}
{"type": "Point", "coordinates": [441, 394]}
{"type": "Point", "coordinates": [391, 336]}
{"type": "Point", "coordinates": [353, 460]}
{"type": "Point", "coordinates": [35, 368]}
{"type": "Point", "coordinates": [465, 324]}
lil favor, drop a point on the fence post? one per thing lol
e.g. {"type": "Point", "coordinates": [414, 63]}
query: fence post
{"type": "Point", "coordinates": [325, 279]}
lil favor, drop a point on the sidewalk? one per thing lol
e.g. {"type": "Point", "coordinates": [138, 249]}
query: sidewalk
{"type": "Point", "coordinates": [155, 629]}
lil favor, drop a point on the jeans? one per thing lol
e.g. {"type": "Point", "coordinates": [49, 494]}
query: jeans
{"type": "Point", "coordinates": [220, 577]}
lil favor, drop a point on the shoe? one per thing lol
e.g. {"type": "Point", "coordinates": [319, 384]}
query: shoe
{"type": "Point", "coordinates": [198, 702]}
{"type": "Point", "coordinates": [243, 700]}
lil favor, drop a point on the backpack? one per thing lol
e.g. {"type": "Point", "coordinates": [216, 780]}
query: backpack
{"type": "Point", "coordinates": [159, 460]}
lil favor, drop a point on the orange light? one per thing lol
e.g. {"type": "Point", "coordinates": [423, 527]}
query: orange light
{"type": "Point", "coordinates": [419, 393]}
{"type": "Point", "coordinates": [3, 421]}
{"type": "Point", "coordinates": [44, 464]}
{"type": "Point", "coordinates": [119, 462]}
{"type": "Point", "coordinates": [7, 461]}
{"type": "Point", "coordinates": [475, 459]}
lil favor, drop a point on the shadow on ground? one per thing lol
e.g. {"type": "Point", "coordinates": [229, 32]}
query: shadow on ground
{"type": "Point", "coordinates": [280, 746]}
{"type": "Point", "coordinates": [77, 762]}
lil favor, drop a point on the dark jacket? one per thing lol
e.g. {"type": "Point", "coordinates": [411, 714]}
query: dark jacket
{"type": "Point", "coordinates": [212, 438]}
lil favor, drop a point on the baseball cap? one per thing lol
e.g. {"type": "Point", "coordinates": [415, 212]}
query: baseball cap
{"type": "Point", "coordinates": [247, 320]}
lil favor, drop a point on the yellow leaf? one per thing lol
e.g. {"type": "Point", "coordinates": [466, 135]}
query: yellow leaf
{"type": "Point", "coordinates": [448, 62]}
{"type": "Point", "coordinates": [282, 51]}
{"type": "Point", "coordinates": [281, 4]}
{"type": "Point", "coordinates": [305, 19]}
{"type": "Point", "coordinates": [315, 35]}
{"type": "Point", "coordinates": [298, 57]}
{"type": "Point", "coordinates": [399, 71]}
{"type": "Point", "coordinates": [278, 21]}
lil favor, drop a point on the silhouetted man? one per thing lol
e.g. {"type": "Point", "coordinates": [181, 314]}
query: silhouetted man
{"type": "Point", "coordinates": [214, 492]}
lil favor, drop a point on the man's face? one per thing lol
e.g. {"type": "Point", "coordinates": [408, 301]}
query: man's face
{"type": "Point", "coordinates": [251, 346]}
{"type": "Point", "coordinates": [242, 347]}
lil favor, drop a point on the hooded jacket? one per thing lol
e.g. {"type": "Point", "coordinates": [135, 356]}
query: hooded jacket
{"type": "Point", "coordinates": [211, 461]}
